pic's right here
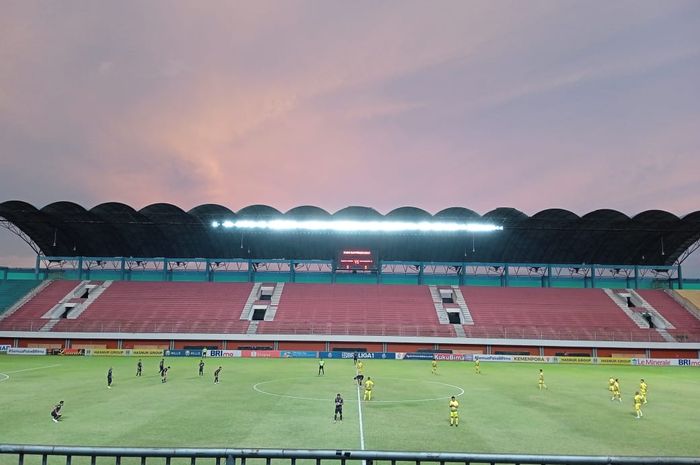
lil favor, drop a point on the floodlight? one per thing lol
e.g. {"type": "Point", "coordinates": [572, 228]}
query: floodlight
{"type": "Point", "coordinates": [357, 226]}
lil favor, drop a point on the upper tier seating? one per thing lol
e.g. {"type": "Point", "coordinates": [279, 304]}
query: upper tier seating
{"type": "Point", "coordinates": [549, 314]}
{"type": "Point", "coordinates": [353, 309]}
{"type": "Point", "coordinates": [28, 316]}
{"type": "Point", "coordinates": [13, 290]}
{"type": "Point", "coordinates": [684, 321]}
{"type": "Point", "coordinates": [356, 309]}
{"type": "Point", "coordinates": [692, 296]}
{"type": "Point", "coordinates": [186, 307]}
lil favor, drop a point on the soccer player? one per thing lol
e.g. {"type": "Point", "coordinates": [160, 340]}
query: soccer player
{"type": "Point", "coordinates": [201, 368]}
{"type": "Point", "coordinates": [643, 390]}
{"type": "Point", "coordinates": [454, 414]}
{"type": "Point", "coordinates": [354, 358]}
{"type": "Point", "coordinates": [638, 404]}
{"type": "Point", "coordinates": [164, 374]}
{"type": "Point", "coordinates": [359, 379]}
{"type": "Point", "coordinates": [616, 390]}
{"type": "Point", "coordinates": [338, 408]}
{"type": "Point", "coordinates": [162, 364]}
{"type": "Point", "coordinates": [139, 368]}
{"type": "Point", "coordinates": [369, 384]}
{"type": "Point", "coordinates": [477, 367]}
{"type": "Point", "coordinates": [56, 412]}
{"type": "Point", "coordinates": [321, 370]}
{"type": "Point", "coordinates": [541, 380]}
{"type": "Point", "coordinates": [216, 375]}
{"type": "Point", "coordinates": [360, 366]}
{"type": "Point", "coordinates": [434, 371]}
{"type": "Point", "coordinates": [611, 385]}
{"type": "Point", "coordinates": [109, 378]}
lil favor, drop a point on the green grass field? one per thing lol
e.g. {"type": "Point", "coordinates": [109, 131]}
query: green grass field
{"type": "Point", "coordinates": [282, 403]}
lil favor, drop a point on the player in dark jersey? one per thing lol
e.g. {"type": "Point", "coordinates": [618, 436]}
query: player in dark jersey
{"type": "Point", "coordinates": [56, 412]}
{"type": "Point", "coordinates": [359, 378]}
{"type": "Point", "coordinates": [216, 375]}
{"type": "Point", "coordinates": [338, 408]}
{"type": "Point", "coordinates": [139, 368]}
{"type": "Point", "coordinates": [354, 358]}
{"type": "Point", "coordinates": [201, 368]}
{"type": "Point", "coordinates": [109, 378]}
{"type": "Point", "coordinates": [162, 364]}
{"type": "Point", "coordinates": [164, 375]}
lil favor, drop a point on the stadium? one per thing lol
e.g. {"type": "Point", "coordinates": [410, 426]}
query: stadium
{"type": "Point", "coordinates": [408, 299]}
{"type": "Point", "coordinates": [303, 232]}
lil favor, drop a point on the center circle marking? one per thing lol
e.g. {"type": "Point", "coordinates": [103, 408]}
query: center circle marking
{"type": "Point", "coordinates": [256, 387]}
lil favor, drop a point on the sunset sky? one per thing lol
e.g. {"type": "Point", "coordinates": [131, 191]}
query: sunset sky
{"type": "Point", "coordinates": [481, 104]}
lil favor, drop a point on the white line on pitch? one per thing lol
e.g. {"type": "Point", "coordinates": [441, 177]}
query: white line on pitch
{"type": "Point", "coordinates": [31, 369]}
{"type": "Point", "coordinates": [359, 408]}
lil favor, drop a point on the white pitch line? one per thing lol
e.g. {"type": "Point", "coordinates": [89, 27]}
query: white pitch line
{"type": "Point", "coordinates": [31, 369]}
{"type": "Point", "coordinates": [359, 408]}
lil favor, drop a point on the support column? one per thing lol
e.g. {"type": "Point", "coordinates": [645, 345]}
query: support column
{"type": "Point", "coordinates": [592, 276]}
{"type": "Point", "coordinates": [208, 271]}
{"type": "Point", "coordinates": [505, 279]}
{"type": "Point", "coordinates": [123, 268]}
{"type": "Point", "coordinates": [636, 276]}
{"type": "Point", "coordinates": [292, 272]}
{"type": "Point", "coordinates": [549, 275]}
{"type": "Point", "coordinates": [379, 272]}
{"type": "Point", "coordinates": [421, 267]}
{"type": "Point", "coordinates": [251, 271]}
{"type": "Point", "coordinates": [80, 268]}
{"type": "Point", "coordinates": [37, 266]}
{"type": "Point", "coordinates": [680, 277]}
{"type": "Point", "coordinates": [462, 274]}
{"type": "Point", "coordinates": [165, 269]}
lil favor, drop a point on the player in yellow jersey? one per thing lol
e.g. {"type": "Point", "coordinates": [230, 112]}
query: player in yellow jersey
{"type": "Point", "coordinates": [360, 367]}
{"type": "Point", "coordinates": [369, 384]}
{"type": "Point", "coordinates": [643, 390]}
{"type": "Point", "coordinates": [541, 380]}
{"type": "Point", "coordinates": [435, 367]}
{"type": "Point", "coordinates": [454, 414]}
{"type": "Point", "coordinates": [477, 367]}
{"type": "Point", "coordinates": [638, 404]}
{"type": "Point", "coordinates": [611, 383]}
{"type": "Point", "coordinates": [616, 390]}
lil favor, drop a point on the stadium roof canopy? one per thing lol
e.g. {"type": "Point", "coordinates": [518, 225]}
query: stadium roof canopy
{"type": "Point", "coordinates": [554, 236]}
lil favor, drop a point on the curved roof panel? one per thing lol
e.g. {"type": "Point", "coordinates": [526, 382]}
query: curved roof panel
{"type": "Point", "coordinates": [558, 236]}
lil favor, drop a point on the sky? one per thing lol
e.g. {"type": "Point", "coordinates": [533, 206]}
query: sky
{"type": "Point", "coordinates": [482, 104]}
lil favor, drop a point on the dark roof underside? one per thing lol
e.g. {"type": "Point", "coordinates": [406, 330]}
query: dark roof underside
{"type": "Point", "coordinates": [652, 237]}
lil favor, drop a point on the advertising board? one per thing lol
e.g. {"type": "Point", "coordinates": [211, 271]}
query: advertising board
{"type": "Point", "coordinates": [182, 353]}
{"type": "Point", "coordinates": [612, 361]}
{"type": "Point", "coordinates": [360, 355]}
{"type": "Point", "coordinates": [493, 358]}
{"type": "Point", "coordinates": [217, 353]}
{"type": "Point", "coordinates": [106, 352]}
{"type": "Point", "coordinates": [575, 360]}
{"type": "Point", "coordinates": [146, 352]}
{"type": "Point", "coordinates": [298, 354]}
{"type": "Point", "coordinates": [454, 357]}
{"type": "Point", "coordinates": [26, 351]}
{"type": "Point", "coordinates": [261, 353]}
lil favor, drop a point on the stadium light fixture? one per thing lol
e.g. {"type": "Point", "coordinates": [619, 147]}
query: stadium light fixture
{"type": "Point", "coordinates": [356, 226]}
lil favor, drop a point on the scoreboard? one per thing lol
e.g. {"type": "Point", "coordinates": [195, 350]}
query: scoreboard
{"type": "Point", "coordinates": [356, 260]}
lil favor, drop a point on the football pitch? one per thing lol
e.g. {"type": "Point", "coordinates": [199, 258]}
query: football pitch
{"type": "Point", "coordinates": [283, 403]}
